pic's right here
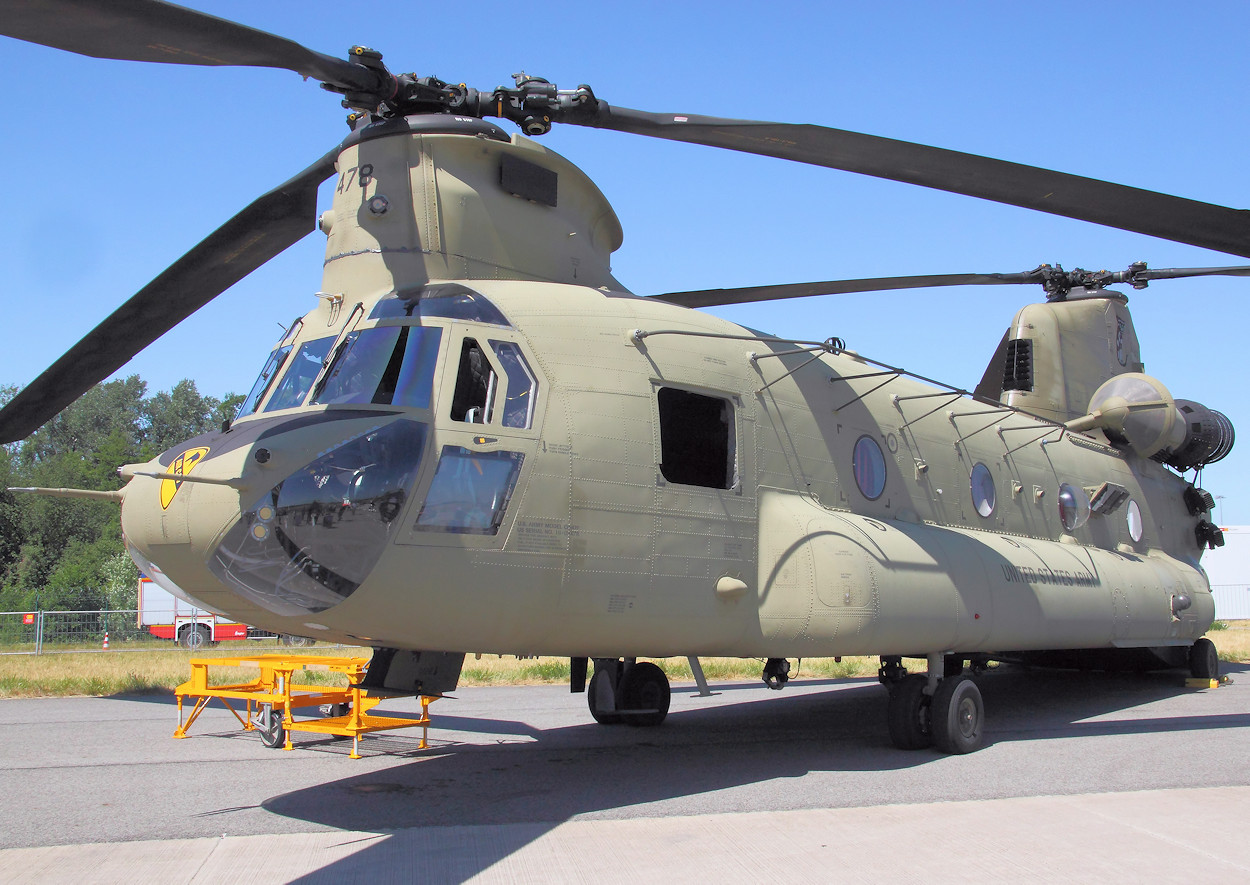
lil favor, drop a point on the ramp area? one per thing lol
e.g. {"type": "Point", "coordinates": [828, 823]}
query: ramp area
{"type": "Point", "coordinates": [270, 698]}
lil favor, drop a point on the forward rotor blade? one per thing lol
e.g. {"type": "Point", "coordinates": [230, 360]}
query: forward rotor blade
{"type": "Point", "coordinates": [749, 294]}
{"type": "Point", "coordinates": [245, 242]}
{"type": "Point", "coordinates": [151, 30]}
{"type": "Point", "coordinates": [1058, 193]}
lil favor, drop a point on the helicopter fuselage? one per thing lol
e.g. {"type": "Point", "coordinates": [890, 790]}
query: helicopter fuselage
{"type": "Point", "coordinates": [689, 492]}
{"type": "Point", "coordinates": [479, 441]}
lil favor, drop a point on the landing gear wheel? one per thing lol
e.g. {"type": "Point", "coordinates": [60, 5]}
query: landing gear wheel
{"type": "Point", "coordinates": [272, 734]}
{"type": "Point", "coordinates": [1204, 660]}
{"type": "Point", "coordinates": [645, 687]}
{"type": "Point", "coordinates": [952, 665]}
{"type": "Point", "coordinates": [958, 716]}
{"type": "Point", "coordinates": [909, 713]}
{"type": "Point", "coordinates": [599, 690]}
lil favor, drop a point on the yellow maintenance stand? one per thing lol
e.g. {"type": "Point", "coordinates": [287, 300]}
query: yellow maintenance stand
{"type": "Point", "coordinates": [272, 696]}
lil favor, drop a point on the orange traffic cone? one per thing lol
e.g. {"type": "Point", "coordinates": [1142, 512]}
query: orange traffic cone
{"type": "Point", "coordinates": [106, 640]}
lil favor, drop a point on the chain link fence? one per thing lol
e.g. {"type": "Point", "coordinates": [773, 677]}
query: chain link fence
{"type": "Point", "coordinates": [50, 632]}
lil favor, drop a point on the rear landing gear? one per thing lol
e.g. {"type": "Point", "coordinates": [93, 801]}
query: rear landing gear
{"type": "Point", "coordinates": [625, 691]}
{"type": "Point", "coordinates": [1204, 660]}
{"type": "Point", "coordinates": [946, 713]}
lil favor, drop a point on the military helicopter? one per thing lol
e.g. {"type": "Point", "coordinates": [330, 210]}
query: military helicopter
{"type": "Point", "coordinates": [478, 440]}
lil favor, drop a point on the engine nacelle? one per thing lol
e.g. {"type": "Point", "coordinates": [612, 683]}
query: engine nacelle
{"type": "Point", "coordinates": [1137, 412]}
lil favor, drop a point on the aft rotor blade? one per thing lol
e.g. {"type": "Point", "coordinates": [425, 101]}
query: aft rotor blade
{"type": "Point", "coordinates": [748, 294]}
{"type": "Point", "coordinates": [245, 242]}
{"type": "Point", "coordinates": [151, 30]}
{"type": "Point", "coordinates": [1058, 193]}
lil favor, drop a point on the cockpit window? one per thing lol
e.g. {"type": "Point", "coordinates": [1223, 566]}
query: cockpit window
{"type": "Point", "coordinates": [392, 365]}
{"type": "Point", "coordinates": [518, 406]}
{"type": "Point", "coordinates": [474, 398]}
{"type": "Point", "coordinates": [273, 365]}
{"type": "Point", "coordinates": [302, 371]}
{"type": "Point", "coordinates": [449, 301]}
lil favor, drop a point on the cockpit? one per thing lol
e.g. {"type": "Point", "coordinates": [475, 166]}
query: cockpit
{"type": "Point", "coordinates": [437, 366]}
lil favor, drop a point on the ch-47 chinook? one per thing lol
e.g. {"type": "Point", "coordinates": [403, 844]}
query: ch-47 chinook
{"type": "Point", "coordinates": [478, 440]}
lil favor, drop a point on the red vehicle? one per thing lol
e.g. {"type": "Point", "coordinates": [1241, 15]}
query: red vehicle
{"type": "Point", "coordinates": [168, 617]}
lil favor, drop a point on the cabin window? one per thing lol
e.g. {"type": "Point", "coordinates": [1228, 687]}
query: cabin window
{"type": "Point", "coordinates": [868, 465]}
{"type": "Point", "coordinates": [696, 439]}
{"type": "Point", "coordinates": [299, 377]}
{"type": "Point", "coordinates": [474, 399]}
{"type": "Point", "coordinates": [518, 405]}
{"type": "Point", "coordinates": [983, 497]}
{"type": "Point", "coordinates": [1073, 507]}
{"type": "Point", "coordinates": [469, 492]}
{"type": "Point", "coordinates": [390, 365]}
{"type": "Point", "coordinates": [1134, 522]}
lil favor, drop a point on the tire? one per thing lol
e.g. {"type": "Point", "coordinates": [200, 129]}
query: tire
{"type": "Point", "coordinates": [645, 687]}
{"type": "Point", "coordinates": [195, 637]}
{"type": "Point", "coordinates": [952, 665]}
{"type": "Point", "coordinates": [909, 714]}
{"type": "Point", "coordinates": [272, 733]}
{"type": "Point", "coordinates": [600, 682]}
{"type": "Point", "coordinates": [958, 716]}
{"type": "Point", "coordinates": [296, 641]}
{"type": "Point", "coordinates": [1204, 660]}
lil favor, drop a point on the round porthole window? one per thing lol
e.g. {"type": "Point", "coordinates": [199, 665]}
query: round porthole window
{"type": "Point", "coordinates": [868, 464]}
{"type": "Point", "coordinates": [1134, 521]}
{"type": "Point", "coordinates": [1073, 507]}
{"type": "Point", "coordinates": [982, 489]}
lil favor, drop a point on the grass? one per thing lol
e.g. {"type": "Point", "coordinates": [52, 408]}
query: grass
{"type": "Point", "coordinates": [121, 671]}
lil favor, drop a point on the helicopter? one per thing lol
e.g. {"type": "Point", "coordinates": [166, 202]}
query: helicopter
{"type": "Point", "coordinates": [479, 440]}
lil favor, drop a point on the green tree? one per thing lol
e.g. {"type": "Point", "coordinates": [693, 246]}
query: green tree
{"type": "Point", "coordinates": [68, 553]}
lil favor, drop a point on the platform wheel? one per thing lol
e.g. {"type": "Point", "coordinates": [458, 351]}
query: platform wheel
{"type": "Point", "coordinates": [272, 732]}
{"type": "Point", "coordinates": [958, 716]}
{"type": "Point", "coordinates": [909, 713]}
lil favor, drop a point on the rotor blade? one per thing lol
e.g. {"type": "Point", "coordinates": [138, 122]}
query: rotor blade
{"type": "Point", "coordinates": [151, 30]}
{"type": "Point", "coordinates": [1137, 276]}
{"type": "Point", "coordinates": [1176, 273]}
{"type": "Point", "coordinates": [1073, 196]}
{"type": "Point", "coordinates": [748, 294]}
{"type": "Point", "coordinates": [245, 242]}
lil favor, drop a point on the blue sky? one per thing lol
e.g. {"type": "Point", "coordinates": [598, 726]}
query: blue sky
{"type": "Point", "coordinates": [115, 169]}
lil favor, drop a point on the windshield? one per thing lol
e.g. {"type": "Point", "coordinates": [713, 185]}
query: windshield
{"type": "Point", "coordinates": [391, 365]}
{"type": "Point", "coordinates": [303, 370]}
{"type": "Point", "coordinates": [267, 375]}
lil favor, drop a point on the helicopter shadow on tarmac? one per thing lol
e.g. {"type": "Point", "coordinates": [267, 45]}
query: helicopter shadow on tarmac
{"type": "Point", "coordinates": [712, 760]}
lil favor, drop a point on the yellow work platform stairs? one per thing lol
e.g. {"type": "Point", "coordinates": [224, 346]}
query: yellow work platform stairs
{"type": "Point", "coordinates": [274, 694]}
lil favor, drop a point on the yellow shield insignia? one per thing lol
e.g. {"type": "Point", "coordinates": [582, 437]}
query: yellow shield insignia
{"type": "Point", "coordinates": [182, 465]}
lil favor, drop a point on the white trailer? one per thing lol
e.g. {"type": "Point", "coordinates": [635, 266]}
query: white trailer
{"type": "Point", "coordinates": [1228, 570]}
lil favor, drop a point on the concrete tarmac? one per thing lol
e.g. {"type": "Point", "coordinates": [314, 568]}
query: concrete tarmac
{"type": "Point", "coordinates": [1110, 776]}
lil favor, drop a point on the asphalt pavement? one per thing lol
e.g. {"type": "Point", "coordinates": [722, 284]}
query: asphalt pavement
{"type": "Point", "coordinates": [1118, 776]}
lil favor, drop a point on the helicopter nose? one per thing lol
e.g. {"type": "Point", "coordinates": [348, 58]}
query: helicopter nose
{"type": "Point", "coordinates": [306, 543]}
{"type": "Point", "coordinates": [290, 517]}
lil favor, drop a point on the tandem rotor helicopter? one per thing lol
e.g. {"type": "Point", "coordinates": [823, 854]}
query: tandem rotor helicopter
{"type": "Point", "coordinates": [479, 440]}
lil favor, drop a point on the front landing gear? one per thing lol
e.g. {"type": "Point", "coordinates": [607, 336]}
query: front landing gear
{"type": "Point", "coordinates": [627, 691]}
{"type": "Point", "coordinates": [946, 713]}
